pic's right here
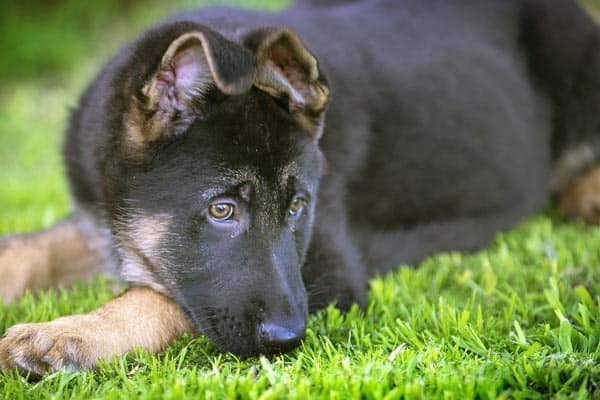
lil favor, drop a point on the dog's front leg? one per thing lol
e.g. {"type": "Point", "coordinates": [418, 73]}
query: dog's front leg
{"type": "Point", "coordinates": [71, 250]}
{"type": "Point", "coordinates": [334, 271]}
{"type": "Point", "coordinates": [140, 318]}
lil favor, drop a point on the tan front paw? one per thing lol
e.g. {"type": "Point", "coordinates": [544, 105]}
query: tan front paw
{"type": "Point", "coordinates": [38, 349]}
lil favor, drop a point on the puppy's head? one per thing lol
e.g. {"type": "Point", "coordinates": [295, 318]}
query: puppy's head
{"type": "Point", "coordinates": [215, 172]}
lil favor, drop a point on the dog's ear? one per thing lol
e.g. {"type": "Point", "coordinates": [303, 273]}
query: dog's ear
{"type": "Point", "coordinates": [288, 71]}
{"type": "Point", "coordinates": [194, 63]}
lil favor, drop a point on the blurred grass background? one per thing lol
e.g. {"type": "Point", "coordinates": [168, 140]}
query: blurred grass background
{"type": "Point", "coordinates": [50, 38]}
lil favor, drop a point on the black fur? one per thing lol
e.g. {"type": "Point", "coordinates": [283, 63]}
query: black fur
{"type": "Point", "coordinates": [445, 121]}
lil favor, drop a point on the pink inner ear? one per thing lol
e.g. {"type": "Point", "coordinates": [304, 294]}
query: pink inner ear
{"type": "Point", "coordinates": [189, 66]}
{"type": "Point", "coordinates": [281, 57]}
{"type": "Point", "coordinates": [296, 75]}
{"type": "Point", "coordinates": [186, 75]}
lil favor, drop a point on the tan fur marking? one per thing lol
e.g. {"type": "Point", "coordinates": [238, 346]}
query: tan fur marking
{"type": "Point", "coordinates": [581, 199]}
{"type": "Point", "coordinates": [135, 136]}
{"type": "Point", "coordinates": [139, 243]}
{"type": "Point", "coordinates": [59, 255]}
{"type": "Point", "coordinates": [313, 125]}
{"type": "Point", "coordinates": [570, 165]}
{"type": "Point", "coordinates": [140, 318]}
{"type": "Point", "coordinates": [139, 131]}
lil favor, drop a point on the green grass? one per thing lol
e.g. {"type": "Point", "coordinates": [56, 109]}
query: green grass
{"type": "Point", "coordinates": [519, 319]}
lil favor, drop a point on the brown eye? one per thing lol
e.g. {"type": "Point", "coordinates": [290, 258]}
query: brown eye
{"type": "Point", "coordinates": [296, 205]}
{"type": "Point", "coordinates": [221, 212]}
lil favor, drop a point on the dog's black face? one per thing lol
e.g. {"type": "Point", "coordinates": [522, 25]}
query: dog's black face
{"type": "Point", "coordinates": [216, 205]}
{"type": "Point", "coordinates": [233, 200]}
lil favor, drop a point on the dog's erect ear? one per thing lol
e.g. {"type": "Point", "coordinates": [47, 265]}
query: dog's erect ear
{"type": "Point", "coordinates": [193, 63]}
{"type": "Point", "coordinates": [287, 70]}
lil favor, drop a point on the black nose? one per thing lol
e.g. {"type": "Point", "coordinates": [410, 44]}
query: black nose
{"type": "Point", "coordinates": [280, 337]}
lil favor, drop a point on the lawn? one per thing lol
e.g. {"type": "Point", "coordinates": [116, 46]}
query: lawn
{"type": "Point", "coordinates": [518, 319]}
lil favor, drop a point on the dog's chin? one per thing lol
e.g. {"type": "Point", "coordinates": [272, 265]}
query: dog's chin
{"type": "Point", "coordinates": [225, 333]}
{"type": "Point", "coordinates": [241, 345]}
{"type": "Point", "coordinates": [244, 349]}
{"type": "Point", "coordinates": [238, 339]}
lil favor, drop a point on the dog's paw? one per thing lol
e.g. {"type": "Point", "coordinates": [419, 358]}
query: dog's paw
{"type": "Point", "coordinates": [41, 348]}
{"type": "Point", "coordinates": [581, 199]}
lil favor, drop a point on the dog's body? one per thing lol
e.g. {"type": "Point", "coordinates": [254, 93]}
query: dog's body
{"type": "Point", "coordinates": [203, 154]}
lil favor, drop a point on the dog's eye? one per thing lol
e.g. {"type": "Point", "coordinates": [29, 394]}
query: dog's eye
{"type": "Point", "coordinates": [221, 212]}
{"type": "Point", "coordinates": [296, 205]}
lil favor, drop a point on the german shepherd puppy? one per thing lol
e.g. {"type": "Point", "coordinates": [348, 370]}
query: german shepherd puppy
{"type": "Point", "coordinates": [243, 168]}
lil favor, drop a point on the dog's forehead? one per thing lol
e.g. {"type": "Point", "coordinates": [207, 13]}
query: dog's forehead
{"type": "Point", "coordinates": [279, 180]}
{"type": "Point", "coordinates": [253, 142]}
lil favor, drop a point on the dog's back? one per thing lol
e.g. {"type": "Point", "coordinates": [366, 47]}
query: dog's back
{"type": "Point", "coordinates": [449, 119]}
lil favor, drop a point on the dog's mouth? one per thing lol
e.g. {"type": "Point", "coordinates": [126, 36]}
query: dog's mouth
{"type": "Point", "coordinates": [247, 337]}
{"type": "Point", "coordinates": [246, 325]}
{"type": "Point", "coordinates": [228, 333]}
